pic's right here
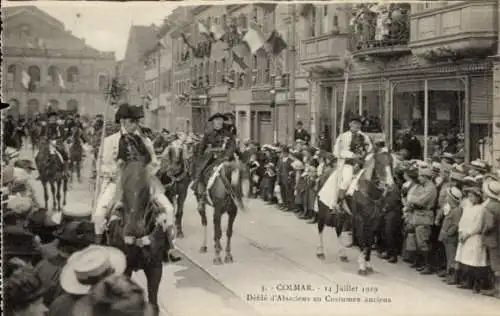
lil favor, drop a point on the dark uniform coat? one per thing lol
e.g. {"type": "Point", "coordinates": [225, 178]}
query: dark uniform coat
{"type": "Point", "coordinates": [212, 140]}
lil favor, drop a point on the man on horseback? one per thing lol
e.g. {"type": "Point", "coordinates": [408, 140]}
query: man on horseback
{"type": "Point", "coordinates": [217, 146]}
{"type": "Point", "coordinates": [350, 147]}
{"type": "Point", "coordinates": [55, 135]}
{"type": "Point", "coordinates": [126, 145]}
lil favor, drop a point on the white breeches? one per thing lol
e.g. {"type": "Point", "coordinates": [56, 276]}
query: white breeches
{"type": "Point", "coordinates": [346, 177]}
{"type": "Point", "coordinates": [103, 206]}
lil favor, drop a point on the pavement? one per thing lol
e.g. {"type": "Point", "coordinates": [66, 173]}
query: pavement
{"type": "Point", "coordinates": [276, 272]}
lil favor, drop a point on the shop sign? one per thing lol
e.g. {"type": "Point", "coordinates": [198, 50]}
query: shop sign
{"type": "Point", "coordinates": [261, 96]}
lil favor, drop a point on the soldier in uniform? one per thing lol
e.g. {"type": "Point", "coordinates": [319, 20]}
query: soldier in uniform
{"type": "Point", "coordinates": [216, 146]}
{"type": "Point", "coordinates": [349, 148]}
{"type": "Point", "coordinates": [55, 134]}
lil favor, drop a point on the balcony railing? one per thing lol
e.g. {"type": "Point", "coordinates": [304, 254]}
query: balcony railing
{"type": "Point", "coordinates": [325, 51]}
{"type": "Point", "coordinates": [380, 30]}
{"type": "Point", "coordinates": [459, 29]}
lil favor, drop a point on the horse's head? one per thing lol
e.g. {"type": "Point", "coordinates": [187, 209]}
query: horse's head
{"type": "Point", "coordinates": [379, 170]}
{"type": "Point", "coordinates": [136, 198]}
{"type": "Point", "coordinates": [175, 159]}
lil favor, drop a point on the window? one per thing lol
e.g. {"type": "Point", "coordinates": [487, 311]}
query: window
{"type": "Point", "coordinates": [72, 106]}
{"type": "Point", "coordinates": [200, 75]}
{"type": "Point", "coordinates": [312, 22]}
{"type": "Point", "coordinates": [325, 27]}
{"type": "Point", "coordinates": [224, 20]}
{"type": "Point", "coordinates": [242, 21]}
{"type": "Point", "coordinates": [53, 104]}
{"type": "Point", "coordinates": [209, 22]}
{"type": "Point", "coordinates": [445, 113]}
{"type": "Point", "coordinates": [207, 73]}
{"type": "Point", "coordinates": [195, 73]}
{"type": "Point", "coordinates": [72, 74]}
{"type": "Point", "coordinates": [24, 31]}
{"type": "Point", "coordinates": [34, 73]}
{"type": "Point", "coordinates": [33, 107]}
{"type": "Point", "coordinates": [223, 67]}
{"type": "Point", "coordinates": [267, 69]}
{"type": "Point", "coordinates": [11, 76]}
{"type": "Point", "coordinates": [335, 21]}
{"type": "Point", "coordinates": [254, 62]}
{"type": "Point", "coordinates": [102, 82]}
{"type": "Point", "coordinates": [14, 108]}
{"type": "Point", "coordinates": [53, 75]}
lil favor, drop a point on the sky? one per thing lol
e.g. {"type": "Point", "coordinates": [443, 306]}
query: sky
{"type": "Point", "coordinates": [104, 26]}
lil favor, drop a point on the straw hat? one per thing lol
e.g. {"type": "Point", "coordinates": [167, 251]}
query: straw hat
{"type": "Point", "coordinates": [473, 189]}
{"type": "Point", "coordinates": [90, 264]}
{"type": "Point", "coordinates": [454, 194]}
{"type": "Point", "coordinates": [480, 166]}
{"type": "Point", "coordinates": [492, 189]}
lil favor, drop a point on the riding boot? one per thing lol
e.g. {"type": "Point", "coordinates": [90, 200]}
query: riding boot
{"type": "Point", "coordinates": [495, 291]}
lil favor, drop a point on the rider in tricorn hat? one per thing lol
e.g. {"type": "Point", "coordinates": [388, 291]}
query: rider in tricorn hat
{"type": "Point", "coordinates": [218, 138]}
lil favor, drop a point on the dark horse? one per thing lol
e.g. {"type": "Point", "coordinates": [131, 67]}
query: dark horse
{"type": "Point", "coordinates": [51, 170]}
{"type": "Point", "coordinates": [134, 228]}
{"type": "Point", "coordinates": [75, 153]}
{"type": "Point", "coordinates": [376, 193]}
{"type": "Point", "coordinates": [226, 185]}
{"type": "Point", "coordinates": [175, 175]}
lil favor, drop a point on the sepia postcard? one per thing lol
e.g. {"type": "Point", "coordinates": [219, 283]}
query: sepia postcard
{"type": "Point", "coordinates": [271, 158]}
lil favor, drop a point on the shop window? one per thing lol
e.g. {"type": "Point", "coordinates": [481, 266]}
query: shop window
{"type": "Point", "coordinates": [439, 126]}
{"type": "Point", "coordinates": [367, 100]}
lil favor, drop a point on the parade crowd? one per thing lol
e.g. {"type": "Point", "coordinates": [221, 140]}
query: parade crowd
{"type": "Point", "coordinates": [448, 222]}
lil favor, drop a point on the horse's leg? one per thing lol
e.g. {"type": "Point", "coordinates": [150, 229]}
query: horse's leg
{"type": "Point", "coordinates": [65, 188]}
{"type": "Point", "coordinates": [58, 194]}
{"type": "Point", "coordinates": [204, 223]}
{"type": "Point", "coordinates": [181, 198]}
{"type": "Point", "coordinates": [229, 233]}
{"type": "Point", "coordinates": [45, 194]}
{"type": "Point", "coordinates": [153, 274]}
{"type": "Point", "coordinates": [217, 217]}
{"type": "Point", "coordinates": [78, 167]}
{"type": "Point", "coordinates": [322, 217]}
{"type": "Point", "coordinates": [370, 241]}
{"type": "Point", "coordinates": [53, 191]}
{"type": "Point", "coordinates": [340, 227]}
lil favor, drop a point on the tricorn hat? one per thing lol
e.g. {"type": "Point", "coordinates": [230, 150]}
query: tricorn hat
{"type": "Point", "coordinates": [122, 112]}
{"type": "Point", "coordinates": [217, 115]}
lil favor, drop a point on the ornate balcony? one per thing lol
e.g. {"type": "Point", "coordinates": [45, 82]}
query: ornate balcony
{"type": "Point", "coordinates": [462, 29]}
{"type": "Point", "coordinates": [324, 53]}
{"type": "Point", "coordinates": [380, 30]}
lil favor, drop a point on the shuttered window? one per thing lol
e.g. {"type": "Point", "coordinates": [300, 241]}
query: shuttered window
{"type": "Point", "coordinates": [481, 99]}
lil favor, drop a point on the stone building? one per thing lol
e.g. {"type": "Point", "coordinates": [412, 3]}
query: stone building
{"type": "Point", "coordinates": [423, 66]}
{"type": "Point", "coordinates": [45, 65]}
{"type": "Point", "coordinates": [214, 71]}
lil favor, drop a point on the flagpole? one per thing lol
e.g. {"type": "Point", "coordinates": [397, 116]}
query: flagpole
{"type": "Point", "coordinates": [101, 145]}
{"type": "Point", "coordinates": [293, 53]}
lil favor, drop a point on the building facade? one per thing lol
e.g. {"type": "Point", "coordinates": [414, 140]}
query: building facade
{"type": "Point", "coordinates": [46, 66]}
{"type": "Point", "coordinates": [208, 78]}
{"type": "Point", "coordinates": [132, 71]}
{"type": "Point", "coordinates": [428, 70]}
